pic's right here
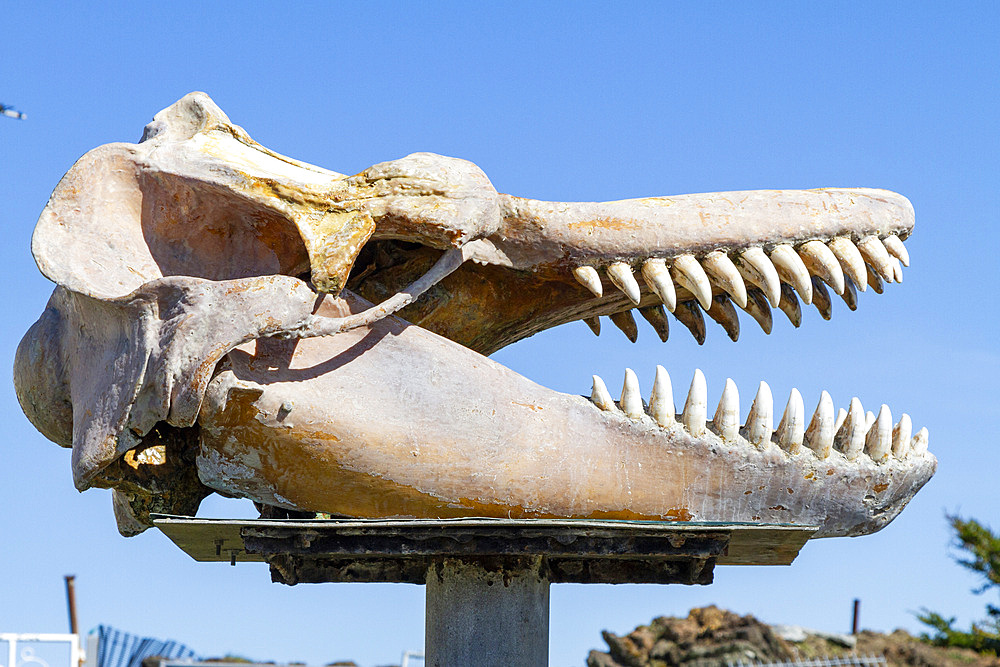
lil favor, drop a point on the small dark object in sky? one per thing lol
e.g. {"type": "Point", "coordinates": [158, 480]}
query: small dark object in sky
{"type": "Point", "coordinates": [11, 112]}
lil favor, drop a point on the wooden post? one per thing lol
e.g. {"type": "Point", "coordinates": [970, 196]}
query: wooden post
{"type": "Point", "coordinates": [71, 602]}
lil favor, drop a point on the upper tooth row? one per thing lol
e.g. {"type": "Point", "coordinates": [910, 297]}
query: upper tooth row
{"type": "Point", "coordinates": [850, 432]}
{"type": "Point", "coordinates": [833, 262]}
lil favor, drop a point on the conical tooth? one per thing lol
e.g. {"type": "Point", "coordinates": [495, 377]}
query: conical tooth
{"type": "Point", "coordinates": [792, 270]}
{"type": "Point", "coordinates": [821, 299]}
{"type": "Point", "coordinates": [791, 429]}
{"type": "Point", "coordinates": [696, 406]}
{"type": "Point", "coordinates": [759, 309]}
{"type": "Point", "coordinates": [869, 420]}
{"type": "Point", "coordinates": [876, 255]}
{"type": "Point", "coordinates": [819, 435]}
{"type": "Point", "coordinates": [690, 275]}
{"type": "Point", "coordinates": [589, 278]}
{"type": "Point", "coordinates": [878, 442]}
{"type": "Point", "coordinates": [841, 416]}
{"type": "Point", "coordinates": [850, 260]}
{"type": "Point", "coordinates": [760, 421]}
{"type": "Point", "coordinates": [727, 415]}
{"type": "Point", "coordinates": [722, 311]}
{"type": "Point", "coordinates": [850, 295]}
{"type": "Point", "coordinates": [623, 278]}
{"type": "Point", "coordinates": [850, 438]}
{"type": "Point", "coordinates": [690, 316]}
{"type": "Point", "coordinates": [896, 248]}
{"type": "Point", "coordinates": [632, 396]}
{"type": "Point", "coordinates": [821, 262]}
{"type": "Point", "coordinates": [594, 323]}
{"type": "Point", "coordinates": [918, 445]}
{"type": "Point", "coordinates": [897, 269]}
{"type": "Point", "coordinates": [874, 280]}
{"type": "Point", "coordinates": [789, 305]}
{"type": "Point", "coordinates": [657, 276]}
{"type": "Point", "coordinates": [661, 400]}
{"type": "Point", "coordinates": [755, 267]}
{"type": "Point", "coordinates": [601, 397]}
{"type": "Point", "coordinates": [624, 321]}
{"type": "Point", "coordinates": [723, 272]}
{"type": "Point", "coordinates": [658, 320]}
{"type": "Point", "coordinates": [901, 433]}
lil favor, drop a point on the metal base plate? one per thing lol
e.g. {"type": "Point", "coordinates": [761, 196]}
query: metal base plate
{"type": "Point", "coordinates": [402, 550]}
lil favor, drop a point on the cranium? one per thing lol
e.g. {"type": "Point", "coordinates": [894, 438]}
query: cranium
{"type": "Point", "coordinates": [212, 329]}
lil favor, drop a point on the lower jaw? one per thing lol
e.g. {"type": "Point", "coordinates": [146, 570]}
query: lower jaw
{"type": "Point", "coordinates": [396, 421]}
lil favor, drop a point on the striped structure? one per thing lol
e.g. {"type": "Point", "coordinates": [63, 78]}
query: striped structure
{"type": "Point", "coordinates": [121, 649]}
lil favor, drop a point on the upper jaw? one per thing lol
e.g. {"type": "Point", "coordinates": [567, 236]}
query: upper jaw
{"type": "Point", "coordinates": [552, 263]}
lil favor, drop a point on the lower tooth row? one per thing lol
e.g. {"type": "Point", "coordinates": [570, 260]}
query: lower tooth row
{"type": "Point", "coordinates": [851, 432]}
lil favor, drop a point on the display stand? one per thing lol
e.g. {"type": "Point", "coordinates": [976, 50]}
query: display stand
{"type": "Point", "coordinates": [487, 579]}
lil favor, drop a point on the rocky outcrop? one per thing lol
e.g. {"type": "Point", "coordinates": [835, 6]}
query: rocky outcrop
{"type": "Point", "coordinates": [709, 637]}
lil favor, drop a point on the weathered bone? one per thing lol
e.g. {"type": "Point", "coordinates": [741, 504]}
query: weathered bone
{"type": "Point", "coordinates": [202, 289]}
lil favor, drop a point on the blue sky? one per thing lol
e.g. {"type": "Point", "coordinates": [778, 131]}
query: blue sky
{"type": "Point", "coordinates": [561, 101]}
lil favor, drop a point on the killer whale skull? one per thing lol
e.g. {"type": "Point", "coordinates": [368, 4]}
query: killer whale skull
{"type": "Point", "coordinates": [213, 329]}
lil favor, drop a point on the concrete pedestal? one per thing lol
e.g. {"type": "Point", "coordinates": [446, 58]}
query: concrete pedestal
{"type": "Point", "coordinates": [487, 613]}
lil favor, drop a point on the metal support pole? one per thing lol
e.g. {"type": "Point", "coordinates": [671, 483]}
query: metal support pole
{"type": "Point", "coordinates": [488, 612]}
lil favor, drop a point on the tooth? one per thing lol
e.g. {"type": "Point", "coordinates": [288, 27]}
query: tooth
{"type": "Point", "coordinates": [594, 323]}
{"type": "Point", "coordinates": [600, 396]}
{"type": "Point", "coordinates": [901, 437]}
{"type": "Point", "coordinates": [624, 321]}
{"type": "Point", "coordinates": [821, 299]}
{"type": "Point", "coordinates": [589, 278]}
{"type": "Point", "coordinates": [756, 268]}
{"type": "Point", "coordinates": [896, 248]}
{"type": "Point", "coordinates": [819, 435]}
{"type": "Point", "coordinates": [897, 269]}
{"type": "Point", "coordinates": [632, 397]}
{"type": "Point", "coordinates": [841, 416]}
{"type": "Point", "coordinates": [821, 262]}
{"type": "Point", "coordinates": [760, 421]}
{"type": "Point", "coordinates": [696, 406]}
{"type": "Point", "coordinates": [690, 275]}
{"type": "Point", "coordinates": [657, 276]}
{"type": "Point", "coordinates": [874, 280]}
{"type": "Point", "coordinates": [727, 415]}
{"type": "Point", "coordinates": [791, 428]}
{"type": "Point", "coordinates": [850, 438]}
{"type": "Point", "coordinates": [789, 305]}
{"type": "Point", "coordinates": [851, 261]}
{"type": "Point", "coordinates": [661, 400]}
{"type": "Point", "coordinates": [918, 445]}
{"type": "Point", "coordinates": [623, 278]}
{"type": "Point", "coordinates": [759, 309]}
{"type": "Point", "coordinates": [722, 311]}
{"type": "Point", "coordinates": [721, 271]}
{"type": "Point", "coordinates": [657, 319]}
{"type": "Point", "coordinates": [878, 442]}
{"type": "Point", "coordinates": [791, 270]}
{"type": "Point", "coordinates": [876, 255]}
{"type": "Point", "coordinates": [869, 420]}
{"type": "Point", "coordinates": [850, 295]}
{"type": "Point", "coordinates": [690, 316]}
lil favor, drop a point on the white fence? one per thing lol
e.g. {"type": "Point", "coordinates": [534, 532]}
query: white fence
{"type": "Point", "coordinates": [829, 661]}
{"type": "Point", "coordinates": [40, 650]}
